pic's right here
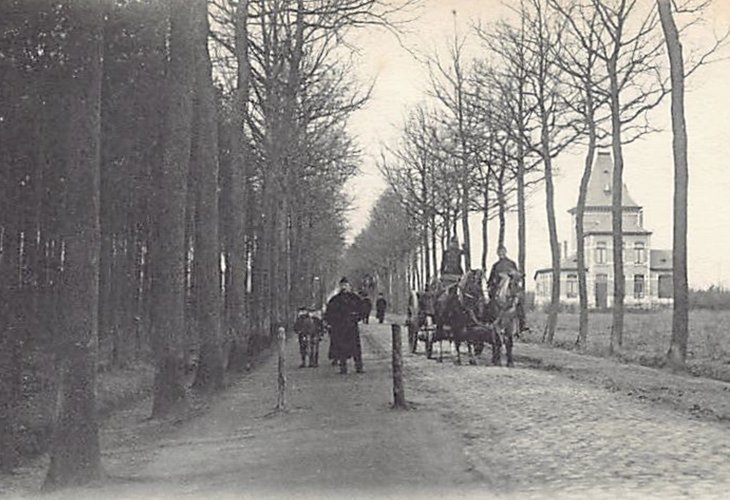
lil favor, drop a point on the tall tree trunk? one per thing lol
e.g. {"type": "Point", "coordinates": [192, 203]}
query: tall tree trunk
{"type": "Point", "coordinates": [485, 226]}
{"type": "Point", "coordinates": [211, 364]}
{"type": "Point", "coordinates": [426, 253]}
{"type": "Point", "coordinates": [75, 453]}
{"type": "Point", "coordinates": [677, 354]}
{"type": "Point", "coordinates": [434, 252]}
{"type": "Point", "coordinates": [582, 339]}
{"type": "Point", "coordinates": [465, 225]}
{"type": "Point", "coordinates": [617, 210]}
{"type": "Point", "coordinates": [168, 241]}
{"type": "Point", "coordinates": [552, 320]}
{"type": "Point", "coordinates": [502, 205]}
{"type": "Point", "coordinates": [521, 209]}
{"type": "Point", "coordinates": [239, 194]}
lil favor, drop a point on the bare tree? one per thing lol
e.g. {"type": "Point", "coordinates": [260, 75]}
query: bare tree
{"type": "Point", "coordinates": [542, 36]}
{"type": "Point", "coordinates": [677, 354]}
{"type": "Point", "coordinates": [580, 65]}
{"type": "Point", "coordinates": [636, 84]}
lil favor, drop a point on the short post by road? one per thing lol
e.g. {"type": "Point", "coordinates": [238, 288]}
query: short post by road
{"type": "Point", "coordinates": [281, 399]}
{"type": "Point", "coordinates": [399, 397]}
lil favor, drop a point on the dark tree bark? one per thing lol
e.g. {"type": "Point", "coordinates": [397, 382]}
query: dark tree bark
{"type": "Point", "coordinates": [677, 354]}
{"type": "Point", "coordinates": [75, 454]}
{"type": "Point", "coordinates": [168, 241]}
{"type": "Point", "coordinates": [238, 190]}
{"type": "Point", "coordinates": [209, 376]}
{"type": "Point", "coordinates": [582, 339]}
{"type": "Point", "coordinates": [619, 284]}
{"type": "Point", "coordinates": [552, 319]}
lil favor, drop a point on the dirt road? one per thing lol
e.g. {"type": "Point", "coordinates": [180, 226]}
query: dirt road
{"type": "Point", "coordinates": [475, 432]}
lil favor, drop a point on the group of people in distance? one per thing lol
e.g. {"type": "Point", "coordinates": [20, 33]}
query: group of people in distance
{"type": "Point", "coordinates": [344, 310]}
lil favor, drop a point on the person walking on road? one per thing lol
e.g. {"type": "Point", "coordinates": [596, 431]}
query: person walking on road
{"type": "Point", "coordinates": [344, 310]}
{"type": "Point", "coordinates": [380, 306]}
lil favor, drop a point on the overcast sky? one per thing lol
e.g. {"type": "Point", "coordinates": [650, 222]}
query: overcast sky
{"type": "Point", "coordinates": [402, 82]}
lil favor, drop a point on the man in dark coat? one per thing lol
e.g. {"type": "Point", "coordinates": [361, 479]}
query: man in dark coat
{"type": "Point", "coordinates": [343, 312]}
{"type": "Point", "coordinates": [505, 265]}
{"type": "Point", "coordinates": [380, 306]}
{"type": "Point", "coordinates": [367, 307]}
{"type": "Point", "coordinates": [451, 260]}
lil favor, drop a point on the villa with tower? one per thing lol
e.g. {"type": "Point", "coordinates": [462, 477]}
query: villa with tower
{"type": "Point", "coordinates": [647, 271]}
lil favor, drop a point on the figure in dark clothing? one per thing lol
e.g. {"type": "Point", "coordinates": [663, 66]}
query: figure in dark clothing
{"type": "Point", "coordinates": [344, 310]}
{"type": "Point", "coordinates": [506, 266]}
{"type": "Point", "coordinates": [451, 270]}
{"type": "Point", "coordinates": [367, 307]}
{"type": "Point", "coordinates": [308, 334]}
{"type": "Point", "coordinates": [380, 306]}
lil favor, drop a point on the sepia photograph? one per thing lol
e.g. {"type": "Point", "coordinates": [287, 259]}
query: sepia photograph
{"type": "Point", "coordinates": [364, 249]}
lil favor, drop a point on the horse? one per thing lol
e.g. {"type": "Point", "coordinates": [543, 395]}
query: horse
{"type": "Point", "coordinates": [474, 319]}
{"type": "Point", "coordinates": [460, 308]}
{"type": "Point", "coordinates": [501, 311]}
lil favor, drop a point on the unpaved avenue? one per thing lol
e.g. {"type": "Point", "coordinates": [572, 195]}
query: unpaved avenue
{"type": "Point", "coordinates": [476, 431]}
{"type": "Point", "coordinates": [340, 434]}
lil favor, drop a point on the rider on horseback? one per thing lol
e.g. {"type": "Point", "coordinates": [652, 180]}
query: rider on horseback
{"type": "Point", "coordinates": [451, 270]}
{"type": "Point", "coordinates": [506, 266]}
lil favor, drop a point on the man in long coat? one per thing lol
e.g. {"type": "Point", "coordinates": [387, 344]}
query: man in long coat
{"type": "Point", "coordinates": [380, 306]}
{"type": "Point", "coordinates": [343, 312]}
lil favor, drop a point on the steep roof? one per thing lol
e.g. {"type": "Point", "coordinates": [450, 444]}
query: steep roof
{"type": "Point", "coordinates": [661, 260]}
{"type": "Point", "coordinates": [600, 184]}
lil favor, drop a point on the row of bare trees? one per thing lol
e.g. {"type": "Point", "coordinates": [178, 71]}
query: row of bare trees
{"type": "Point", "coordinates": [172, 177]}
{"type": "Point", "coordinates": [557, 75]}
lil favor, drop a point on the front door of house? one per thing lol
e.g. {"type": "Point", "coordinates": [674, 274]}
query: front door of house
{"type": "Point", "coordinates": [602, 291]}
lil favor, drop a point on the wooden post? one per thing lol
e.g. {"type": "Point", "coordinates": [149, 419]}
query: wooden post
{"type": "Point", "coordinates": [281, 399]}
{"type": "Point", "coordinates": [399, 397]}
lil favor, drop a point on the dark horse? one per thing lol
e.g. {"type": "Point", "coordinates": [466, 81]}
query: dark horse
{"type": "Point", "coordinates": [464, 310]}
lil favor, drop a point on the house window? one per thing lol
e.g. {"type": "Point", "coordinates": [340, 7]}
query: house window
{"type": "Point", "coordinates": [666, 286]}
{"type": "Point", "coordinates": [640, 252]}
{"type": "Point", "coordinates": [572, 286]}
{"type": "Point", "coordinates": [601, 252]}
{"type": "Point", "coordinates": [638, 286]}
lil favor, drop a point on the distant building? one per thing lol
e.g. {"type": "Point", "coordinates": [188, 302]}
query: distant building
{"type": "Point", "coordinates": [648, 272]}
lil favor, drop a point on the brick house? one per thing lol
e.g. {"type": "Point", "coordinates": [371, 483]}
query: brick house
{"type": "Point", "coordinates": [647, 271]}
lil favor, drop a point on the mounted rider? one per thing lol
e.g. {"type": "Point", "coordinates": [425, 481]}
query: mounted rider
{"type": "Point", "coordinates": [451, 270]}
{"type": "Point", "coordinates": [507, 267]}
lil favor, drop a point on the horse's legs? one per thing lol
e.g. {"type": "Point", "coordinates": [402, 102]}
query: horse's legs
{"type": "Point", "coordinates": [508, 341]}
{"type": "Point", "coordinates": [457, 345]}
{"type": "Point", "coordinates": [441, 351]}
{"type": "Point", "coordinates": [497, 349]}
{"type": "Point", "coordinates": [472, 360]}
